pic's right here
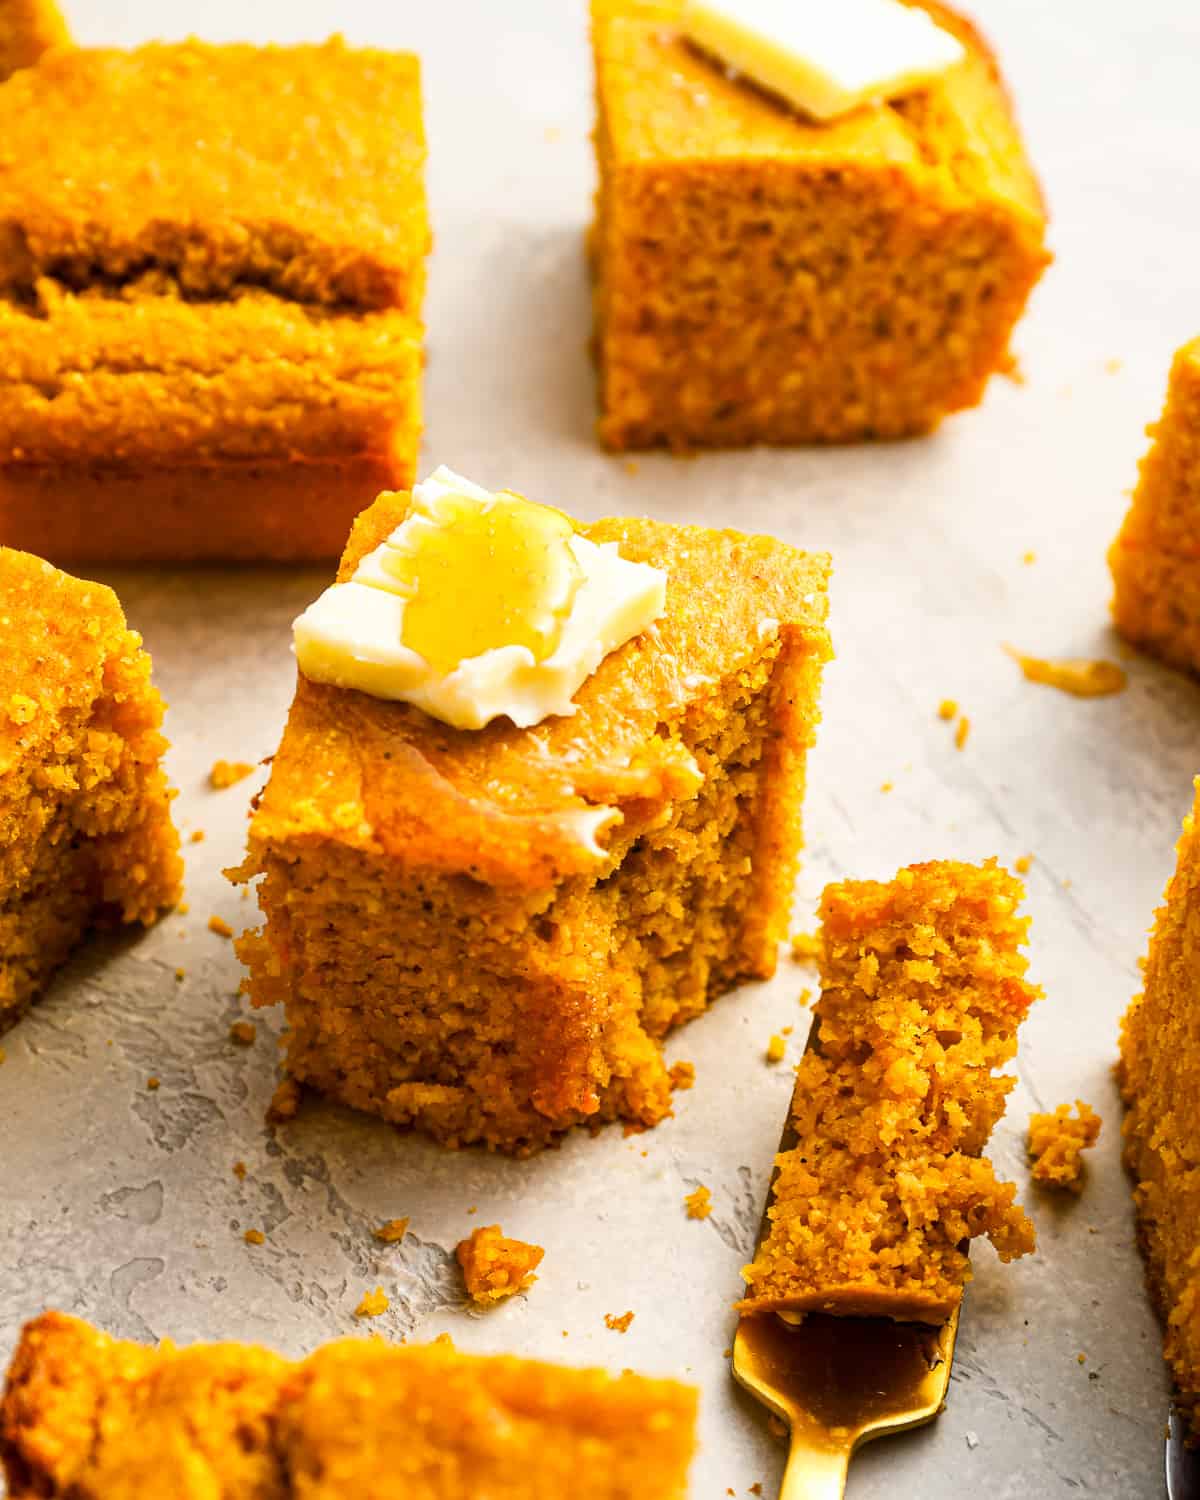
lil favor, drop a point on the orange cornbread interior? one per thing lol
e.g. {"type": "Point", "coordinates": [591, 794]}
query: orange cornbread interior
{"type": "Point", "coordinates": [923, 989]}
{"type": "Point", "coordinates": [1057, 1141]}
{"type": "Point", "coordinates": [1155, 559]}
{"type": "Point", "coordinates": [85, 828]}
{"type": "Point", "coordinates": [27, 29]}
{"type": "Point", "coordinates": [453, 951]}
{"type": "Point", "coordinates": [759, 278]}
{"type": "Point", "coordinates": [86, 1417]}
{"type": "Point", "coordinates": [1159, 1074]}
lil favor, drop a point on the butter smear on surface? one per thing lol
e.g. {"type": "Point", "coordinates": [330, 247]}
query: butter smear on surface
{"type": "Point", "coordinates": [824, 57]}
{"type": "Point", "coordinates": [478, 605]}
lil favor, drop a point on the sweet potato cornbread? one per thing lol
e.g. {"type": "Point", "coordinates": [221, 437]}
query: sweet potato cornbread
{"type": "Point", "coordinates": [1159, 1074]}
{"type": "Point", "coordinates": [923, 989]}
{"type": "Point", "coordinates": [763, 279]}
{"type": "Point", "coordinates": [27, 29]}
{"type": "Point", "coordinates": [487, 933]}
{"type": "Point", "coordinates": [1155, 559]}
{"type": "Point", "coordinates": [86, 1417]}
{"type": "Point", "coordinates": [211, 275]}
{"type": "Point", "coordinates": [85, 828]}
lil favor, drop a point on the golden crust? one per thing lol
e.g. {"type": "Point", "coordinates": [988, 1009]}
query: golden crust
{"type": "Point", "coordinates": [92, 1418]}
{"type": "Point", "coordinates": [28, 28]}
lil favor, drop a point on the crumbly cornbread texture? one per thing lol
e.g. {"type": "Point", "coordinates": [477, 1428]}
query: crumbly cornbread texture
{"type": "Point", "coordinates": [213, 350]}
{"type": "Point", "coordinates": [760, 278]}
{"type": "Point", "coordinates": [923, 989]}
{"type": "Point", "coordinates": [85, 828]}
{"type": "Point", "coordinates": [495, 1267]}
{"type": "Point", "coordinates": [27, 29]}
{"type": "Point", "coordinates": [1155, 559]}
{"type": "Point", "coordinates": [86, 1417]}
{"type": "Point", "coordinates": [1057, 1143]}
{"type": "Point", "coordinates": [486, 934]}
{"type": "Point", "coordinates": [1159, 1074]}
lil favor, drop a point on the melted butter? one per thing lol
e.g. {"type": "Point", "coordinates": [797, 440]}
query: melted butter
{"type": "Point", "coordinates": [484, 577]}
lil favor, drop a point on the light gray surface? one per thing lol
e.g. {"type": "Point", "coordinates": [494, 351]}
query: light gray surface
{"type": "Point", "coordinates": [121, 1205]}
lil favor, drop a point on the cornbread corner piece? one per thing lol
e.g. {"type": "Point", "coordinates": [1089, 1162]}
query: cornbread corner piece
{"type": "Point", "coordinates": [1155, 559]}
{"type": "Point", "coordinates": [85, 827]}
{"type": "Point", "coordinates": [763, 279]}
{"type": "Point", "coordinates": [88, 1417]}
{"type": "Point", "coordinates": [27, 29]}
{"type": "Point", "coordinates": [923, 989]}
{"type": "Point", "coordinates": [1057, 1142]}
{"type": "Point", "coordinates": [495, 1267]}
{"type": "Point", "coordinates": [1159, 1075]}
{"type": "Point", "coordinates": [487, 933]}
{"type": "Point", "coordinates": [208, 354]}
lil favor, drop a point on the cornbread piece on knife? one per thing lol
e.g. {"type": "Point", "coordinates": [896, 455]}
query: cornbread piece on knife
{"type": "Point", "coordinates": [1155, 559]}
{"type": "Point", "coordinates": [487, 932]}
{"type": "Point", "coordinates": [27, 29]}
{"type": "Point", "coordinates": [211, 276]}
{"type": "Point", "coordinates": [923, 989]}
{"type": "Point", "coordinates": [761, 277]}
{"type": "Point", "coordinates": [1159, 1075]}
{"type": "Point", "coordinates": [86, 1417]}
{"type": "Point", "coordinates": [85, 828]}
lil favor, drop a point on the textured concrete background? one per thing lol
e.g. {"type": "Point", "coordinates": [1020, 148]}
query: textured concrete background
{"type": "Point", "coordinates": [121, 1204]}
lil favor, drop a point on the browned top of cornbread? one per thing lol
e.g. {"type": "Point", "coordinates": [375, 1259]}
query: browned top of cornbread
{"type": "Point", "coordinates": [92, 1418]}
{"type": "Point", "coordinates": [27, 29]}
{"type": "Point", "coordinates": [294, 168]}
{"type": "Point", "coordinates": [502, 804]}
{"type": "Point", "coordinates": [664, 102]}
{"type": "Point", "coordinates": [143, 374]}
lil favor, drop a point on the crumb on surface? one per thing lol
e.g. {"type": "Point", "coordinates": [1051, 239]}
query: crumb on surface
{"type": "Point", "coordinates": [699, 1203]}
{"type": "Point", "coordinates": [153, 1082]}
{"type": "Point", "coordinates": [1023, 863]}
{"type": "Point", "coordinates": [392, 1232]}
{"type": "Point", "coordinates": [183, 908]}
{"type": "Point", "coordinates": [239, 1170]}
{"type": "Point", "coordinates": [1080, 677]}
{"type": "Point", "coordinates": [1057, 1142]}
{"type": "Point", "coordinates": [1029, 558]}
{"type": "Point", "coordinates": [373, 1304]}
{"type": "Point", "coordinates": [495, 1267]}
{"type": "Point", "coordinates": [756, 1489]}
{"type": "Point", "coordinates": [1113, 366]}
{"type": "Point", "coordinates": [1081, 1357]}
{"type": "Point", "coordinates": [806, 947]}
{"type": "Point", "coordinates": [619, 1323]}
{"type": "Point", "coordinates": [254, 1237]}
{"type": "Point", "coordinates": [630, 466]}
{"type": "Point", "coordinates": [961, 731]}
{"type": "Point", "coordinates": [180, 975]}
{"type": "Point", "coordinates": [228, 772]}
{"type": "Point", "coordinates": [196, 836]}
{"type": "Point", "coordinates": [285, 1102]}
{"type": "Point", "coordinates": [776, 1049]}
{"type": "Point", "coordinates": [243, 1033]}
{"type": "Point", "coordinates": [947, 709]}
{"type": "Point", "coordinates": [887, 786]}
{"type": "Point", "coordinates": [682, 1075]}
{"type": "Point", "coordinates": [220, 926]}
{"type": "Point", "coordinates": [805, 997]}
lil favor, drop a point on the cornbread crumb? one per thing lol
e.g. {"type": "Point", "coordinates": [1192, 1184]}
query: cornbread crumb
{"type": "Point", "coordinates": [947, 709]}
{"type": "Point", "coordinates": [1029, 558]}
{"type": "Point", "coordinates": [180, 975]}
{"type": "Point", "coordinates": [196, 836]}
{"type": "Point", "coordinates": [962, 730]}
{"type": "Point", "coordinates": [494, 1267]}
{"type": "Point", "coordinates": [1023, 864]}
{"type": "Point", "coordinates": [3, 1054]}
{"type": "Point", "coordinates": [243, 1033]}
{"type": "Point", "coordinates": [776, 1049]}
{"type": "Point", "coordinates": [220, 926]}
{"type": "Point", "coordinates": [1056, 1144]}
{"type": "Point", "coordinates": [682, 1075]}
{"type": "Point", "coordinates": [254, 1237]}
{"type": "Point", "coordinates": [183, 908]}
{"type": "Point", "coordinates": [373, 1304]}
{"type": "Point", "coordinates": [618, 1324]}
{"type": "Point", "coordinates": [1082, 1358]}
{"type": "Point", "coordinates": [1082, 678]}
{"type": "Point", "coordinates": [228, 773]}
{"type": "Point", "coordinates": [239, 1170]}
{"type": "Point", "coordinates": [699, 1203]}
{"type": "Point", "coordinates": [153, 1083]}
{"type": "Point", "coordinates": [887, 786]}
{"type": "Point", "coordinates": [392, 1232]}
{"type": "Point", "coordinates": [806, 948]}
{"type": "Point", "coordinates": [285, 1102]}
{"type": "Point", "coordinates": [756, 1489]}
{"type": "Point", "coordinates": [1113, 366]}
{"type": "Point", "coordinates": [804, 997]}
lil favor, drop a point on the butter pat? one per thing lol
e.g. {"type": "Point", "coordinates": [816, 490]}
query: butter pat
{"type": "Point", "coordinates": [825, 57]}
{"type": "Point", "coordinates": [478, 605]}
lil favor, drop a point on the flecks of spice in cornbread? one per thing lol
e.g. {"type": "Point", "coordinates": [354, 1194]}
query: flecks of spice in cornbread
{"type": "Point", "coordinates": [760, 278]}
{"type": "Point", "coordinates": [90, 1418]}
{"type": "Point", "coordinates": [27, 29]}
{"type": "Point", "coordinates": [495, 1267]}
{"type": "Point", "coordinates": [1057, 1141]}
{"type": "Point", "coordinates": [1159, 1074]}
{"type": "Point", "coordinates": [923, 989]}
{"type": "Point", "coordinates": [1155, 559]}
{"type": "Point", "coordinates": [208, 350]}
{"type": "Point", "coordinates": [453, 950]}
{"type": "Point", "coordinates": [85, 827]}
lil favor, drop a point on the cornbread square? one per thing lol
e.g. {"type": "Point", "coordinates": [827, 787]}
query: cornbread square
{"type": "Point", "coordinates": [211, 275]}
{"type": "Point", "coordinates": [923, 989]}
{"type": "Point", "coordinates": [1155, 559]}
{"type": "Point", "coordinates": [763, 279]}
{"type": "Point", "coordinates": [1159, 1075]}
{"type": "Point", "coordinates": [88, 1417]}
{"type": "Point", "coordinates": [85, 828]}
{"type": "Point", "coordinates": [487, 933]}
{"type": "Point", "coordinates": [27, 29]}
